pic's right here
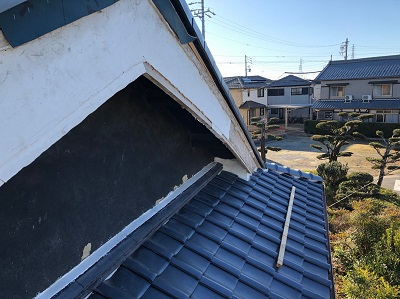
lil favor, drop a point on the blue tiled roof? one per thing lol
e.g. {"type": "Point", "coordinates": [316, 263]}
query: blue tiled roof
{"type": "Point", "coordinates": [290, 81]}
{"type": "Point", "coordinates": [224, 244]}
{"type": "Point", "coordinates": [246, 82]}
{"type": "Point", "coordinates": [357, 104]}
{"type": "Point", "coordinates": [365, 68]}
{"type": "Point", "coordinates": [251, 104]}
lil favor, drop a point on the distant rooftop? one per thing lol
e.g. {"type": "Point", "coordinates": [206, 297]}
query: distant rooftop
{"type": "Point", "coordinates": [358, 104]}
{"type": "Point", "coordinates": [237, 82]}
{"type": "Point", "coordinates": [290, 80]}
{"type": "Point", "coordinates": [364, 68]}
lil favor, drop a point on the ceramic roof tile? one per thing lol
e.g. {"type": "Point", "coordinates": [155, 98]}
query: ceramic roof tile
{"type": "Point", "coordinates": [225, 242]}
{"type": "Point", "coordinates": [357, 104]}
{"type": "Point", "coordinates": [364, 68]}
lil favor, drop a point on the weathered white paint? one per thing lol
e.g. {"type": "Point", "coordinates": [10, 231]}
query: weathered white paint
{"type": "Point", "coordinates": [86, 251]}
{"type": "Point", "coordinates": [235, 167]}
{"type": "Point", "coordinates": [88, 262]}
{"type": "Point", "coordinates": [4, 44]}
{"type": "Point", "coordinates": [49, 85]}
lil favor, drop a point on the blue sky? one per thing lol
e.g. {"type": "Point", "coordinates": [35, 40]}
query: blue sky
{"type": "Point", "coordinates": [277, 34]}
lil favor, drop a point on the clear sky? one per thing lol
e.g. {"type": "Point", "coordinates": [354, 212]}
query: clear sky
{"type": "Point", "coordinates": [281, 36]}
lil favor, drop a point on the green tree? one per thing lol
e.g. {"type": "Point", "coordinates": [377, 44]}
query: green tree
{"type": "Point", "coordinates": [338, 135]}
{"type": "Point", "coordinates": [332, 172]}
{"type": "Point", "coordinates": [389, 151]}
{"type": "Point", "coordinates": [264, 125]}
{"type": "Point", "coordinates": [363, 283]}
{"type": "Point", "coordinates": [358, 185]}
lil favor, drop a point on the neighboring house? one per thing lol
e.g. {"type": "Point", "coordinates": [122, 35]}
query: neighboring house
{"type": "Point", "coordinates": [290, 97]}
{"type": "Point", "coordinates": [367, 85]}
{"type": "Point", "coordinates": [249, 94]}
{"type": "Point", "coordinates": [127, 170]}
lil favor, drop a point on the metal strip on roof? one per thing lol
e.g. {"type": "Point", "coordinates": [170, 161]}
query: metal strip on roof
{"type": "Point", "coordinates": [282, 248]}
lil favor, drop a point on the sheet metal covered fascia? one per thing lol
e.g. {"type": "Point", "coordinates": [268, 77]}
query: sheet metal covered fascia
{"type": "Point", "coordinates": [32, 19]}
{"type": "Point", "coordinates": [173, 19]}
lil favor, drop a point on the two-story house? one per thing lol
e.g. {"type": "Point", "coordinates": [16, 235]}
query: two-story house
{"type": "Point", "coordinates": [290, 97]}
{"type": "Point", "coordinates": [367, 85]}
{"type": "Point", "coordinates": [249, 95]}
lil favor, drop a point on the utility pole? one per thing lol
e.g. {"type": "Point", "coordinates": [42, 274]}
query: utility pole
{"type": "Point", "coordinates": [344, 48]}
{"type": "Point", "coordinates": [301, 66]}
{"type": "Point", "coordinates": [352, 52]}
{"type": "Point", "coordinates": [247, 60]}
{"type": "Point", "coordinates": [201, 14]}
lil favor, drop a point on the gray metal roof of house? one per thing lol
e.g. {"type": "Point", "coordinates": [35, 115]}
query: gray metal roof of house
{"type": "Point", "coordinates": [224, 244]}
{"type": "Point", "coordinates": [290, 80]}
{"type": "Point", "coordinates": [246, 82]}
{"type": "Point", "coordinates": [357, 104]}
{"type": "Point", "coordinates": [251, 104]}
{"type": "Point", "coordinates": [364, 68]}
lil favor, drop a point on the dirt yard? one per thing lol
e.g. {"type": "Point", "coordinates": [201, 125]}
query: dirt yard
{"type": "Point", "coordinates": [296, 152]}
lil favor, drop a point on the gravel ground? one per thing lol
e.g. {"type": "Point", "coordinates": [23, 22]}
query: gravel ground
{"type": "Point", "coordinates": [297, 153]}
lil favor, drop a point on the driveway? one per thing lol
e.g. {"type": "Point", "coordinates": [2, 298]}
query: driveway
{"type": "Point", "coordinates": [296, 153]}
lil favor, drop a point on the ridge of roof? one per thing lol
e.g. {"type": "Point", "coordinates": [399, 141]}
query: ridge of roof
{"type": "Point", "coordinates": [290, 80]}
{"type": "Point", "coordinates": [375, 58]}
{"type": "Point", "coordinates": [256, 81]}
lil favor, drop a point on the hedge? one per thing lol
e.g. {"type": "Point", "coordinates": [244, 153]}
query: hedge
{"type": "Point", "coordinates": [367, 128]}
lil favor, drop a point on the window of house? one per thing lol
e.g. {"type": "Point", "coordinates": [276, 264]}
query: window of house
{"type": "Point", "coordinates": [336, 91]}
{"type": "Point", "coordinates": [274, 111]}
{"type": "Point", "coordinates": [299, 90]}
{"type": "Point", "coordinates": [328, 114]}
{"type": "Point", "coordinates": [260, 92]}
{"type": "Point", "coordinates": [276, 92]}
{"type": "Point", "coordinates": [381, 90]}
{"type": "Point", "coordinates": [261, 111]}
{"type": "Point", "coordinates": [387, 116]}
{"type": "Point", "coordinates": [248, 93]}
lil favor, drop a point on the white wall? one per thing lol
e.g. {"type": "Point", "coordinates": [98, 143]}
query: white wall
{"type": "Point", "coordinates": [253, 96]}
{"type": "Point", "coordinates": [51, 84]}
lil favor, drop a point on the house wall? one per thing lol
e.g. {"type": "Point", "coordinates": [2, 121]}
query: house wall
{"type": "Point", "coordinates": [51, 84]}
{"type": "Point", "coordinates": [237, 96]}
{"type": "Point", "coordinates": [93, 182]}
{"type": "Point", "coordinates": [247, 119]}
{"type": "Point", "coordinates": [288, 98]}
{"type": "Point", "coordinates": [253, 96]}
{"type": "Point", "coordinates": [358, 88]}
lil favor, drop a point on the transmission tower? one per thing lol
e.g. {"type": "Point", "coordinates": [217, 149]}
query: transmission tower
{"type": "Point", "coordinates": [201, 14]}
